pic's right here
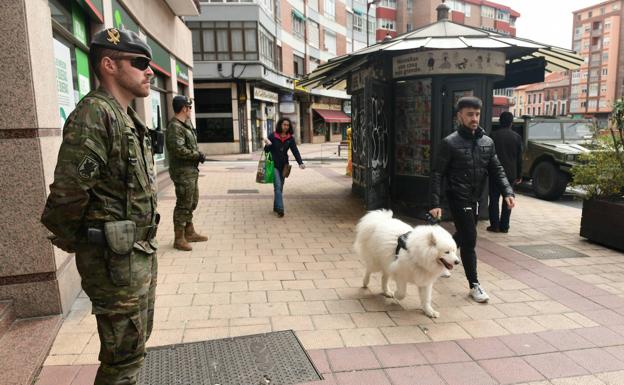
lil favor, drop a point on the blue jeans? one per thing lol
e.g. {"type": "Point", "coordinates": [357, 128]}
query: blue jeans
{"type": "Point", "coordinates": [278, 190]}
{"type": "Point", "coordinates": [499, 222]}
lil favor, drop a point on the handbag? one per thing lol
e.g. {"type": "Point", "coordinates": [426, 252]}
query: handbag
{"type": "Point", "coordinates": [266, 169]}
{"type": "Point", "coordinates": [286, 170]}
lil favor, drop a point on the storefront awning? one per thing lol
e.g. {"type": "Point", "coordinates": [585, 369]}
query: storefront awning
{"type": "Point", "coordinates": [333, 116]}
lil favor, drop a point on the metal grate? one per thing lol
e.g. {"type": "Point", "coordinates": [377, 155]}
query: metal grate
{"type": "Point", "coordinates": [275, 358]}
{"type": "Point", "coordinates": [243, 191]}
{"type": "Point", "coordinates": [549, 251]}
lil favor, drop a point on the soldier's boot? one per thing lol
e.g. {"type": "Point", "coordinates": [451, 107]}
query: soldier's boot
{"type": "Point", "coordinates": [191, 235]}
{"type": "Point", "coordinates": [180, 242]}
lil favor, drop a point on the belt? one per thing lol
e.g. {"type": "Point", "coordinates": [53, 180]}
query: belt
{"type": "Point", "coordinates": [95, 234]}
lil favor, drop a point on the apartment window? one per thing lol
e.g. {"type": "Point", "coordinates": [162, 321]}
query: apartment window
{"type": "Point", "coordinates": [616, 6]}
{"type": "Point", "coordinates": [358, 23]}
{"type": "Point", "coordinates": [607, 24]}
{"type": "Point", "coordinates": [605, 56]}
{"type": "Point", "coordinates": [330, 9]}
{"type": "Point", "coordinates": [605, 71]}
{"type": "Point", "coordinates": [313, 34]}
{"type": "Point", "coordinates": [387, 3]}
{"type": "Point", "coordinates": [385, 24]}
{"type": "Point", "coordinates": [577, 32]}
{"type": "Point", "coordinates": [603, 89]}
{"type": "Point", "coordinates": [457, 5]}
{"type": "Point", "coordinates": [278, 58]}
{"type": "Point", "coordinates": [298, 66]}
{"type": "Point", "coordinates": [468, 6]}
{"type": "Point", "coordinates": [578, 16]}
{"type": "Point", "coordinates": [595, 58]}
{"type": "Point", "coordinates": [586, 27]}
{"type": "Point", "coordinates": [593, 89]}
{"type": "Point", "coordinates": [267, 5]}
{"type": "Point", "coordinates": [502, 15]}
{"type": "Point", "coordinates": [563, 109]}
{"type": "Point", "coordinates": [408, 27]}
{"type": "Point", "coordinates": [297, 25]}
{"type": "Point", "coordinates": [605, 41]}
{"type": "Point", "coordinates": [330, 42]}
{"type": "Point", "coordinates": [234, 40]}
{"type": "Point", "coordinates": [602, 10]}
{"type": "Point", "coordinates": [539, 110]}
{"type": "Point", "coordinates": [540, 98]}
{"type": "Point", "coordinates": [596, 26]}
{"type": "Point", "coordinates": [410, 5]}
{"type": "Point", "coordinates": [488, 11]}
{"type": "Point", "coordinates": [313, 4]}
{"type": "Point", "coordinates": [589, 14]}
{"type": "Point", "coordinates": [267, 49]}
{"type": "Point", "coordinates": [313, 63]}
{"type": "Point", "coordinates": [592, 105]}
{"type": "Point", "coordinates": [585, 44]}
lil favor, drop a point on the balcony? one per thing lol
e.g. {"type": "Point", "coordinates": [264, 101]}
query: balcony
{"type": "Point", "coordinates": [184, 7]}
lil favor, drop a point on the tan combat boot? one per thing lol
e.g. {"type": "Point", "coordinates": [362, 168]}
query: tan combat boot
{"type": "Point", "coordinates": [191, 235]}
{"type": "Point", "coordinates": [180, 242]}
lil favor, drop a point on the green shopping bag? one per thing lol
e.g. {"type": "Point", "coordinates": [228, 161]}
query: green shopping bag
{"type": "Point", "coordinates": [266, 169]}
{"type": "Point", "coordinates": [269, 167]}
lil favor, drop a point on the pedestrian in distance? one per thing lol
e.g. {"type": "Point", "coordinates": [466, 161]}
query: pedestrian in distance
{"type": "Point", "coordinates": [278, 145]}
{"type": "Point", "coordinates": [102, 203]}
{"type": "Point", "coordinates": [464, 159]}
{"type": "Point", "coordinates": [184, 159]}
{"type": "Point", "coordinates": [508, 146]}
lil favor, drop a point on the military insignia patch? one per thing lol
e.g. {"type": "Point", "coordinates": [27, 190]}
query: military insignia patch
{"type": "Point", "coordinates": [113, 36]}
{"type": "Point", "coordinates": [87, 168]}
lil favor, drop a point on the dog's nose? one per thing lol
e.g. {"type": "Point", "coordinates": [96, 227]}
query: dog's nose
{"type": "Point", "coordinates": [457, 261]}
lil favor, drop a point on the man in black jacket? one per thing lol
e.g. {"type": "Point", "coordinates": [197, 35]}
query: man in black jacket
{"type": "Point", "coordinates": [464, 159]}
{"type": "Point", "coordinates": [509, 151]}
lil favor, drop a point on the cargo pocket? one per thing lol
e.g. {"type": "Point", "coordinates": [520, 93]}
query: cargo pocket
{"type": "Point", "coordinates": [122, 337]}
{"type": "Point", "coordinates": [119, 267]}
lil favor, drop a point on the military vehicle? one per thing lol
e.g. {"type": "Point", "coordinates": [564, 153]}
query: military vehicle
{"type": "Point", "coordinates": [551, 147]}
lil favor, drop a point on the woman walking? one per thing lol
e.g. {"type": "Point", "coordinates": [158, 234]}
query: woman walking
{"type": "Point", "coordinates": [278, 144]}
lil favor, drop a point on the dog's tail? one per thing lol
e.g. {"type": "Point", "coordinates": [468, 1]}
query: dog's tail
{"type": "Point", "coordinates": [366, 227]}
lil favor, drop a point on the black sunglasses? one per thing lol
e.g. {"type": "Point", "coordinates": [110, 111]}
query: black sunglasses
{"type": "Point", "coordinates": [138, 62]}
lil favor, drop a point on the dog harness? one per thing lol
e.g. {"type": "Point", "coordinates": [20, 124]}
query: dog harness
{"type": "Point", "coordinates": [401, 244]}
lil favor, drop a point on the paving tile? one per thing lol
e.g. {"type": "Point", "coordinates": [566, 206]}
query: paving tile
{"type": "Point", "coordinates": [464, 373]}
{"type": "Point", "coordinates": [601, 336]}
{"type": "Point", "coordinates": [229, 311]}
{"type": "Point", "coordinates": [86, 375]}
{"type": "Point", "coordinates": [419, 375]}
{"type": "Point", "coordinates": [319, 359]}
{"type": "Point", "coordinates": [554, 365]}
{"type": "Point", "coordinates": [249, 329]}
{"type": "Point", "coordinates": [524, 344]}
{"type": "Point", "coordinates": [516, 309]}
{"type": "Point", "coordinates": [510, 370]}
{"type": "Point", "coordinates": [329, 379]}
{"type": "Point", "coordinates": [555, 321]}
{"type": "Point", "coordinates": [612, 378]}
{"type": "Point", "coordinates": [320, 339]}
{"type": "Point", "coordinates": [404, 334]}
{"type": "Point", "coordinates": [269, 309]}
{"type": "Point", "coordinates": [363, 337]}
{"type": "Point", "coordinates": [333, 321]}
{"type": "Point", "coordinates": [193, 335]}
{"type": "Point", "coordinates": [595, 360]}
{"type": "Point", "coordinates": [517, 325]}
{"type": "Point", "coordinates": [445, 332]}
{"type": "Point", "coordinates": [210, 299]}
{"type": "Point", "coordinates": [307, 308]}
{"type": "Point", "coordinates": [485, 348]}
{"type": "Point", "coordinates": [565, 340]}
{"type": "Point", "coordinates": [399, 355]}
{"type": "Point", "coordinates": [578, 380]}
{"type": "Point", "coordinates": [57, 375]}
{"type": "Point", "coordinates": [605, 317]}
{"type": "Point", "coordinates": [372, 319]}
{"type": "Point", "coordinates": [481, 312]}
{"type": "Point", "coordinates": [349, 359]}
{"type": "Point", "coordinates": [616, 351]}
{"type": "Point", "coordinates": [344, 306]}
{"type": "Point", "coordinates": [284, 296]}
{"type": "Point", "coordinates": [297, 322]}
{"type": "Point", "coordinates": [483, 328]}
{"type": "Point", "coordinates": [366, 377]}
{"type": "Point", "coordinates": [442, 352]}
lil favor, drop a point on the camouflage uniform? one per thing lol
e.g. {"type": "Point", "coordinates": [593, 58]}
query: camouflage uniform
{"type": "Point", "coordinates": [184, 157]}
{"type": "Point", "coordinates": [105, 173]}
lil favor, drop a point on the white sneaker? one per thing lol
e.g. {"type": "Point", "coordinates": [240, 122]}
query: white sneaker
{"type": "Point", "coordinates": [478, 294]}
{"type": "Point", "coordinates": [445, 274]}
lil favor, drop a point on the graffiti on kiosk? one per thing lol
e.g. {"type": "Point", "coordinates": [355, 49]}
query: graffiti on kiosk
{"type": "Point", "coordinates": [442, 62]}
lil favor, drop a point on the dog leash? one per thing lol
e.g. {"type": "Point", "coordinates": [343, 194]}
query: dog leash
{"type": "Point", "coordinates": [403, 238]}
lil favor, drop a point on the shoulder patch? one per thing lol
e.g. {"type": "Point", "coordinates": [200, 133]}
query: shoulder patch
{"type": "Point", "coordinates": [87, 168]}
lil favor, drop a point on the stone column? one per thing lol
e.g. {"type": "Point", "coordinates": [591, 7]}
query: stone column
{"type": "Point", "coordinates": [40, 279]}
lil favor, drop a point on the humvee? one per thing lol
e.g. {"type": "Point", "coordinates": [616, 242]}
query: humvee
{"type": "Point", "coordinates": [551, 147]}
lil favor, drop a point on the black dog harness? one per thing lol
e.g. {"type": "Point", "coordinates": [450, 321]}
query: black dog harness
{"type": "Point", "coordinates": [401, 244]}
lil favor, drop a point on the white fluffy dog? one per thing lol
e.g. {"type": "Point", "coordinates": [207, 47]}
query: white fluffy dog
{"type": "Point", "coordinates": [426, 251]}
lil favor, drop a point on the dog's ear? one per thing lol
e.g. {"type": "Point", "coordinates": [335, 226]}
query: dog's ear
{"type": "Point", "coordinates": [432, 240]}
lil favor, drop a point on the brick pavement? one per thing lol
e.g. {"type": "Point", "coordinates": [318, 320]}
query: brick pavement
{"type": "Point", "coordinates": [558, 321]}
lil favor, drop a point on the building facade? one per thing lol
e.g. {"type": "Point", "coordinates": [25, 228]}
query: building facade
{"type": "Point", "coordinates": [548, 98]}
{"type": "Point", "coordinates": [48, 56]}
{"type": "Point", "coordinates": [249, 55]}
{"type": "Point", "coordinates": [600, 80]}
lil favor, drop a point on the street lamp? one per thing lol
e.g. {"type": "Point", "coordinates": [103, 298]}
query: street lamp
{"type": "Point", "coordinates": [368, 5]}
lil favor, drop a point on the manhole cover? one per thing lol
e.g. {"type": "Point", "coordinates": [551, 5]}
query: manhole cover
{"type": "Point", "coordinates": [273, 358]}
{"type": "Point", "coordinates": [549, 251]}
{"type": "Point", "coordinates": [243, 191]}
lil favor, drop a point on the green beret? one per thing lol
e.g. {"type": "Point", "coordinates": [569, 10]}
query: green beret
{"type": "Point", "coordinates": [121, 40]}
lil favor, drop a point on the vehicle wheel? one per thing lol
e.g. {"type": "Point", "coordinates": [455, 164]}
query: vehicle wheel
{"type": "Point", "coordinates": [549, 182]}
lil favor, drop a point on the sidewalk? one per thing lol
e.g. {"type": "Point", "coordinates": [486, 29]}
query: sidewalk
{"type": "Point", "coordinates": [549, 321]}
{"type": "Point", "coordinates": [318, 152]}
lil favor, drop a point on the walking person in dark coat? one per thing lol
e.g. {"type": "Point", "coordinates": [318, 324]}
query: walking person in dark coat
{"type": "Point", "coordinates": [509, 151]}
{"type": "Point", "coordinates": [464, 159]}
{"type": "Point", "coordinates": [278, 144]}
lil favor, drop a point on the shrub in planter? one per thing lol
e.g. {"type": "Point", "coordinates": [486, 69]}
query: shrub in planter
{"type": "Point", "coordinates": [601, 174]}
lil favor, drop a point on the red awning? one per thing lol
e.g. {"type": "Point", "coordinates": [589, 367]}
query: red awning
{"type": "Point", "coordinates": [333, 116]}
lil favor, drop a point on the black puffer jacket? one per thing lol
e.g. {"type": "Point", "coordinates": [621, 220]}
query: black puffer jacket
{"type": "Point", "coordinates": [465, 160]}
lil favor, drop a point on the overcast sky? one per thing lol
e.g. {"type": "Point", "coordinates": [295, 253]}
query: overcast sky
{"type": "Point", "coordinates": [547, 21]}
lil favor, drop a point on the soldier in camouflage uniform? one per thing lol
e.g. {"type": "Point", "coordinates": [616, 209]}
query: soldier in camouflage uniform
{"type": "Point", "coordinates": [102, 203]}
{"type": "Point", "coordinates": [184, 157]}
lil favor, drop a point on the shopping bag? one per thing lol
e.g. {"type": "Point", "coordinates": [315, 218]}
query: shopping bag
{"type": "Point", "coordinates": [260, 174]}
{"type": "Point", "coordinates": [269, 169]}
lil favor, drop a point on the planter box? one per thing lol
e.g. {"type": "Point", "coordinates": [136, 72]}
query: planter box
{"type": "Point", "coordinates": [603, 222]}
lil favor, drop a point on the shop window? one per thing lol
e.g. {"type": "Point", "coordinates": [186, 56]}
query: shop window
{"type": "Point", "coordinates": [213, 115]}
